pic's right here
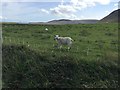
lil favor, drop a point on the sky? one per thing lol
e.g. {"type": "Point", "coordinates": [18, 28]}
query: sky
{"type": "Point", "coordinates": [47, 10]}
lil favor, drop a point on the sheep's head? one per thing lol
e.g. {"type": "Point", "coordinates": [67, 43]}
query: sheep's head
{"type": "Point", "coordinates": [56, 37]}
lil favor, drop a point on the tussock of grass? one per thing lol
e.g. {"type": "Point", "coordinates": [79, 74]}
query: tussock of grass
{"type": "Point", "coordinates": [26, 68]}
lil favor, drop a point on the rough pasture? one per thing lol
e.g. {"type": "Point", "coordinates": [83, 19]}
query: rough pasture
{"type": "Point", "coordinates": [30, 59]}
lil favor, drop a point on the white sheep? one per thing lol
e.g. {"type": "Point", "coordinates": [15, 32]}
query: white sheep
{"type": "Point", "coordinates": [63, 41]}
{"type": "Point", "coordinates": [46, 29]}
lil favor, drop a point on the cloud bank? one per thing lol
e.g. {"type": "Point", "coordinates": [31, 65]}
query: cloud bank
{"type": "Point", "coordinates": [1, 18]}
{"type": "Point", "coordinates": [52, 0]}
{"type": "Point", "coordinates": [67, 9]}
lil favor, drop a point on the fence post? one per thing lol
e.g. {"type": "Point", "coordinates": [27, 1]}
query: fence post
{"type": "Point", "coordinates": [10, 40]}
{"type": "Point", "coordinates": [23, 42]}
{"type": "Point", "coordinates": [87, 51]}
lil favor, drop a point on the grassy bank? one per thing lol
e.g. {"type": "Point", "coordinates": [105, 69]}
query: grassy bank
{"type": "Point", "coordinates": [30, 59]}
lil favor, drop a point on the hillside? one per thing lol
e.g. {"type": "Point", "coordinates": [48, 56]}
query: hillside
{"type": "Point", "coordinates": [31, 60]}
{"type": "Point", "coordinates": [112, 17]}
{"type": "Point", "coordinates": [66, 21]}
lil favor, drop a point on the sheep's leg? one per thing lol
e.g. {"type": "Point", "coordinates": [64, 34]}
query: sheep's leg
{"type": "Point", "coordinates": [69, 47]}
{"type": "Point", "coordinates": [59, 46]}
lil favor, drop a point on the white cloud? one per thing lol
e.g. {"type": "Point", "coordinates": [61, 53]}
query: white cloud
{"type": "Point", "coordinates": [64, 11]}
{"type": "Point", "coordinates": [82, 16]}
{"type": "Point", "coordinates": [1, 17]}
{"type": "Point", "coordinates": [44, 11]}
{"type": "Point", "coordinates": [107, 12]}
{"type": "Point", "coordinates": [103, 2]}
{"type": "Point", "coordinates": [116, 4]}
{"type": "Point", "coordinates": [88, 3]}
{"type": "Point", "coordinates": [67, 16]}
{"type": "Point", "coordinates": [115, 8]}
{"type": "Point", "coordinates": [69, 10]}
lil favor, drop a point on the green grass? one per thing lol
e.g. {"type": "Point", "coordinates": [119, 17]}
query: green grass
{"type": "Point", "coordinates": [30, 59]}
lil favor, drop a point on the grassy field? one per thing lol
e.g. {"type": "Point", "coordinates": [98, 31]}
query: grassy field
{"type": "Point", "coordinates": [31, 61]}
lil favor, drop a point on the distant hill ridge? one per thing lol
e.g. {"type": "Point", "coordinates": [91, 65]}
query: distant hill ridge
{"type": "Point", "coordinates": [67, 21]}
{"type": "Point", "coordinates": [112, 17]}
